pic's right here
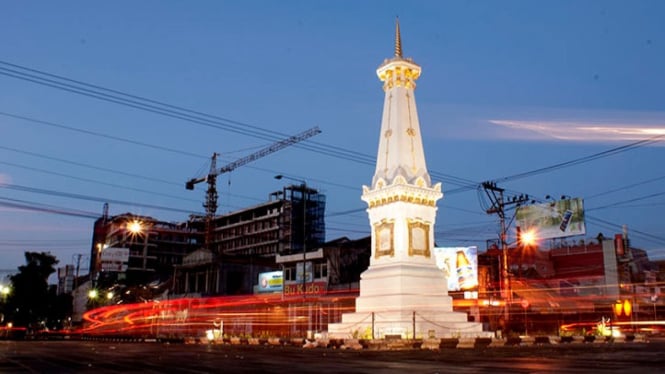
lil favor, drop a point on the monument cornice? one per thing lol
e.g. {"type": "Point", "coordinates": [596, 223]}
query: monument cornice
{"type": "Point", "coordinates": [400, 191]}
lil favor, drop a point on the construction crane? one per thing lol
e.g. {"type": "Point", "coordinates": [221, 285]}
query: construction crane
{"type": "Point", "coordinates": [210, 204]}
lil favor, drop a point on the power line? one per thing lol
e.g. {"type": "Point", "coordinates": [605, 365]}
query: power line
{"type": "Point", "coordinates": [581, 160]}
{"type": "Point", "coordinates": [637, 184]}
{"type": "Point", "coordinates": [149, 105]}
{"type": "Point", "coordinates": [646, 236]}
{"type": "Point", "coordinates": [616, 205]}
{"type": "Point", "coordinates": [158, 109]}
{"type": "Point", "coordinates": [88, 166]}
{"type": "Point", "coordinates": [200, 118]}
{"type": "Point", "coordinates": [101, 135]}
{"type": "Point", "coordinates": [173, 111]}
{"type": "Point", "coordinates": [151, 192]}
{"type": "Point", "coordinates": [89, 198]}
{"type": "Point", "coordinates": [27, 205]}
{"type": "Point", "coordinates": [577, 161]}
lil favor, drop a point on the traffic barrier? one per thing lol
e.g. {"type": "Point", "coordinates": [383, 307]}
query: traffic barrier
{"type": "Point", "coordinates": [466, 343]}
{"type": "Point", "coordinates": [431, 344]}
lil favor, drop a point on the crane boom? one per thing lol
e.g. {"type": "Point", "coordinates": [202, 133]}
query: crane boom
{"type": "Point", "coordinates": [270, 149]}
{"type": "Point", "coordinates": [211, 194]}
{"type": "Point", "coordinates": [254, 156]}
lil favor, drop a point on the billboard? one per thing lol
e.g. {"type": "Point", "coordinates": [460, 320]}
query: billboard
{"type": "Point", "coordinates": [460, 266]}
{"type": "Point", "coordinates": [271, 282]}
{"type": "Point", "coordinates": [555, 219]}
{"type": "Point", "coordinates": [114, 259]}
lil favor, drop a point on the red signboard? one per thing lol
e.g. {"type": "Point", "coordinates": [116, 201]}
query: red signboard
{"type": "Point", "coordinates": [312, 288]}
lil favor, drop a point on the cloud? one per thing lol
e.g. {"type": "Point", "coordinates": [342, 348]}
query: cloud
{"type": "Point", "coordinates": [582, 131]}
{"type": "Point", "coordinates": [531, 123]}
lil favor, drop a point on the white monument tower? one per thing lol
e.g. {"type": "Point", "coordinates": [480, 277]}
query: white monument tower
{"type": "Point", "coordinates": [402, 292]}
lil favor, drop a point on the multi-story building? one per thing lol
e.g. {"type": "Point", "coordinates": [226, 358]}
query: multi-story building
{"type": "Point", "coordinates": [246, 242]}
{"type": "Point", "coordinates": [134, 250]}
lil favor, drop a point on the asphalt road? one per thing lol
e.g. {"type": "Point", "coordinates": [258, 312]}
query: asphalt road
{"type": "Point", "coordinates": [107, 357]}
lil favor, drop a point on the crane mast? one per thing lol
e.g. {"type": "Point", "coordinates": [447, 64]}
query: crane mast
{"type": "Point", "coordinates": [210, 204]}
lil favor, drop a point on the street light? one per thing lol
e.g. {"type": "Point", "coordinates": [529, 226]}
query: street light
{"type": "Point", "coordinates": [135, 227]}
{"type": "Point", "coordinates": [304, 233]}
{"type": "Point", "coordinates": [528, 237]}
{"type": "Point", "coordinates": [4, 291]}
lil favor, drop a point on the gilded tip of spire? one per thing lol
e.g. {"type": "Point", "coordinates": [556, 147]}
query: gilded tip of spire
{"type": "Point", "coordinates": [398, 39]}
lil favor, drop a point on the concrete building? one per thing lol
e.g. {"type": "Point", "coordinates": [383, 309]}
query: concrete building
{"type": "Point", "coordinates": [246, 243]}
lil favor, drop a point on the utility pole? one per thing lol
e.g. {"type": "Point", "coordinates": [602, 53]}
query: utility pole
{"type": "Point", "coordinates": [499, 204]}
{"type": "Point", "coordinates": [78, 266]}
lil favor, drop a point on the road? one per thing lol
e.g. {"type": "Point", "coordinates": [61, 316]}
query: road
{"type": "Point", "coordinates": [109, 357]}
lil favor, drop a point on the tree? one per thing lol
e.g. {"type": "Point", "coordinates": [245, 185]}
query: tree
{"type": "Point", "coordinates": [30, 302]}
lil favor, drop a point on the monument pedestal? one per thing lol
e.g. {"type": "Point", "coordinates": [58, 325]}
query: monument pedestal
{"type": "Point", "coordinates": [398, 299]}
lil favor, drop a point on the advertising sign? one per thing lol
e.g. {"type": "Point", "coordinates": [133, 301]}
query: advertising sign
{"type": "Point", "coordinates": [460, 266]}
{"type": "Point", "coordinates": [314, 288]}
{"type": "Point", "coordinates": [114, 259]}
{"type": "Point", "coordinates": [554, 219]}
{"type": "Point", "coordinates": [271, 281]}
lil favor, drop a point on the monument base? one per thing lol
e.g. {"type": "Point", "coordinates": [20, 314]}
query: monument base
{"type": "Point", "coordinates": [394, 303]}
{"type": "Point", "coordinates": [402, 324]}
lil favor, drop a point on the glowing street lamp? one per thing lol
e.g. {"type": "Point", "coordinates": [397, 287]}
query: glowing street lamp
{"type": "Point", "coordinates": [135, 227]}
{"type": "Point", "coordinates": [526, 240]}
{"type": "Point", "coordinates": [529, 237]}
{"type": "Point", "coordinates": [4, 292]}
{"type": "Point", "coordinates": [624, 308]}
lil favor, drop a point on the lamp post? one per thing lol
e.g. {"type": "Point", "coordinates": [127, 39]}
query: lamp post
{"type": "Point", "coordinates": [92, 302]}
{"type": "Point", "coordinates": [303, 186]}
{"type": "Point", "coordinates": [4, 291]}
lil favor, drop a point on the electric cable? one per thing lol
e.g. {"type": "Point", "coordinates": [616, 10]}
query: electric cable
{"type": "Point", "coordinates": [157, 107]}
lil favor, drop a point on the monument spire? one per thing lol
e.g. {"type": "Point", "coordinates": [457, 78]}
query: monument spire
{"type": "Point", "coordinates": [398, 40]}
{"type": "Point", "coordinates": [400, 150]}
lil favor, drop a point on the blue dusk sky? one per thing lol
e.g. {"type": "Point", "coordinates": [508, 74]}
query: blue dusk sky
{"type": "Point", "coordinates": [543, 97]}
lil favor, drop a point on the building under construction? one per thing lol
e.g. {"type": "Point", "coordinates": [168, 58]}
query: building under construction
{"type": "Point", "coordinates": [245, 243]}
